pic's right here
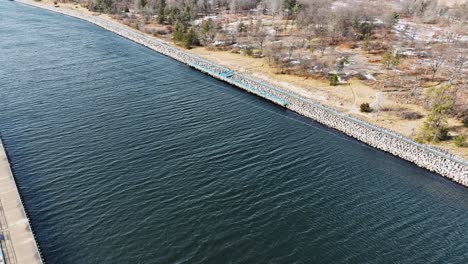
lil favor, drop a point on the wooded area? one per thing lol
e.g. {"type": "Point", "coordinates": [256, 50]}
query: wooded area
{"type": "Point", "coordinates": [414, 51]}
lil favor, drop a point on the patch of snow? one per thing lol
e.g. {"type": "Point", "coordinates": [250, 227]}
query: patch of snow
{"type": "Point", "coordinates": [428, 33]}
{"type": "Point", "coordinates": [197, 22]}
{"type": "Point", "coordinates": [218, 43]}
{"type": "Point", "coordinates": [369, 76]}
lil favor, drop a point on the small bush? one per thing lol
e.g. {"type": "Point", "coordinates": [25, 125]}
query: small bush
{"type": "Point", "coordinates": [365, 108]}
{"type": "Point", "coordinates": [161, 32]}
{"type": "Point", "coordinates": [55, 3]}
{"type": "Point", "coordinates": [249, 52]}
{"type": "Point", "coordinates": [334, 80]}
{"type": "Point", "coordinates": [432, 134]}
{"type": "Point", "coordinates": [460, 141]}
{"type": "Point", "coordinates": [126, 10]}
{"type": "Point", "coordinates": [465, 121]}
{"type": "Point", "coordinates": [411, 115]}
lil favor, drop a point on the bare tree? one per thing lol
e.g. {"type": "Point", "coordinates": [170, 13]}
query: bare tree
{"type": "Point", "coordinates": [291, 46]}
{"type": "Point", "coordinates": [323, 42]}
{"type": "Point", "coordinates": [457, 61]}
{"type": "Point", "coordinates": [259, 34]}
{"type": "Point", "coordinates": [438, 57]}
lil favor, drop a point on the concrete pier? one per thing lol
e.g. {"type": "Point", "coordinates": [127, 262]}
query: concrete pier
{"type": "Point", "coordinates": [17, 241]}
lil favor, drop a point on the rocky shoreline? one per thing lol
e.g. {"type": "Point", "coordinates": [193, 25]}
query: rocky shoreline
{"type": "Point", "coordinates": [450, 166]}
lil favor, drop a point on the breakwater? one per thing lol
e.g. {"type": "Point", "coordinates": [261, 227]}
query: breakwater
{"type": "Point", "coordinates": [450, 166]}
{"type": "Point", "coordinates": [18, 244]}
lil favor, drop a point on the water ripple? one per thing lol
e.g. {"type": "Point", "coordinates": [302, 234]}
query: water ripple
{"type": "Point", "coordinates": [123, 155]}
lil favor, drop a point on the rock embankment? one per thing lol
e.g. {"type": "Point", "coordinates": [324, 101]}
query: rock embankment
{"type": "Point", "coordinates": [450, 166]}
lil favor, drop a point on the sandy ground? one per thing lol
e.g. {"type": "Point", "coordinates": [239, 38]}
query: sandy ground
{"type": "Point", "coordinates": [345, 98]}
{"type": "Point", "coordinates": [19, 243]}
{"type": "Point", "coordinates": [452, 2]}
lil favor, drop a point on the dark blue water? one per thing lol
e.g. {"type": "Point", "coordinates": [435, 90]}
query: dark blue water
{"type": "Point", "coordinates": [126, 156]}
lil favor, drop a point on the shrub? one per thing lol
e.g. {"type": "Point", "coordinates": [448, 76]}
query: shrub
{"type": "Point", "coordinates": [365, 108]}
{"type": "Point", "coordinates": [411, 115]}
{"type": "Point", "coordinates": [126, 10]}
{"type": "Point", "coordinates": [435, 127]}
{"type": "Point", "coordinates": [334, 80]}
{"type": "Point", "coordinates": [191, 39]}
{"type": "Point", "coordinates": [465, 121]}
{"type": "Point", "coordinates": [460, 141]}
{"type": "Point", "coordinates": [178, 33]}
{"type": "Point", "coordinates": [431, 133]}
{"type": "Point", "coordinates": [103, 6]}
{"type": "Point", "coordinates": [241, 27]}
{"type": "Point", "coordinates": [249, 52]}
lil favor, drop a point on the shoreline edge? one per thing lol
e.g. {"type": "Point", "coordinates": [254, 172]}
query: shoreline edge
{"type": "Point", "coordinates": [450, 166]}
{"type": "Point", "coordinates": [19, 244]}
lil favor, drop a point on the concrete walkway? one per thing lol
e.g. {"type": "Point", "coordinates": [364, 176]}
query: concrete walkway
{"type": "Point", "coordinates": [19, 245]}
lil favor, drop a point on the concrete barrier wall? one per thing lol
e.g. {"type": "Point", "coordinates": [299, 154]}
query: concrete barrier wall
{"type": "Point", "coordinates": [450, 166]}
{"type": "Point", "coordinates": [22, 246]}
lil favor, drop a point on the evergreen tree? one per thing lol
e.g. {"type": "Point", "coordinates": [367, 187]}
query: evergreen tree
{"type": "Point", "coordinates": [363, 27]}
{"type": "Point", "coordinates": [292, 7]}
{"type": "Point", "coordinates": [178, 34]}
{"type": "Point", "coordinates": [241, 27]}
{"type": "Point", "coordinates": [103, 6]}
{"type": "Point", "coordinates": [334, 80]}
{"type": "Point", "coordinates": [207, 31]}
{"type": "Point", "coordinates": [341, 63]}
{"type": "Point", "coordinates": [435, 127]}
{"type": "Point", "coordinates": [289, 4]}
{"type": "Point", "coordinates": [390, 59]}
{"type": "Point", "coordinates": [174, 15]}
{"type": "Point", "coordinates": [187, 14]}
{"type": "Point", "coordinates": [162, 11]}
{"type": "Point", "coordinates": [206, 26]}
{"type": "Point", "coordinates": [191, 38]}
